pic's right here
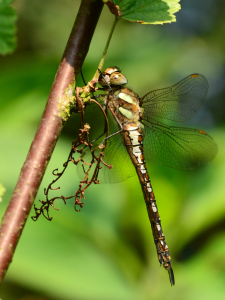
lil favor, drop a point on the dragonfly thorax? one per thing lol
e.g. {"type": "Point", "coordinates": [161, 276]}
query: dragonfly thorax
{"type": "Point", "coordinates": [125, 104]}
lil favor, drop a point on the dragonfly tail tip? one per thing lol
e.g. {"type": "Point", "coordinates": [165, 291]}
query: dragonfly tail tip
{"type": "Point", "coordinates": [171, 276]}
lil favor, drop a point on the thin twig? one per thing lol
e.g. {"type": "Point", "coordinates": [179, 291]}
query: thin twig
{"type": "Point", "coordinates": [106, 119]}
{"type": "Point", "coordinates": [82, 140]}
{"type": "Point", "coordinates": [81, 108]}
{"type": "Point", "coordinates": [100, 66]}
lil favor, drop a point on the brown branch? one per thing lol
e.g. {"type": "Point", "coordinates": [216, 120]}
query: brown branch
{"type": "Point", "coordinates": [48, 131]}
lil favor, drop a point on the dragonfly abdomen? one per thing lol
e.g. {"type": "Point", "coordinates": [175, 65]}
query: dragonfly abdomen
{"type": "Point", "coordinates": [133, 140]}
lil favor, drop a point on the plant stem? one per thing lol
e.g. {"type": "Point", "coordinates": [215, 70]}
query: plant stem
{"type": "Point", "coordinates": [48, 132]}
{"type": "Point", "coordinates": [106, 49]}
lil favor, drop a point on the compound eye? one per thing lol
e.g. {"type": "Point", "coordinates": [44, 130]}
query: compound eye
{"type": "Point", "coordinates": [118, 79]}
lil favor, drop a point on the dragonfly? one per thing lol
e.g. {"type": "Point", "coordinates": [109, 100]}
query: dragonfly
{"type": "Point", "coordinates": [139, 134]}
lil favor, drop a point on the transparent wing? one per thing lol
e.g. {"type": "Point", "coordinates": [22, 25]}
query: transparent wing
{"type": "Point", "coordinates": [115, 154]}
{"type": "Point", "coordinates": [179, 102]}
{"type": "Point", "coordinates": [177, 147]}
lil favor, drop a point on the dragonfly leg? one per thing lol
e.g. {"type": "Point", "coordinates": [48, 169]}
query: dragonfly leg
{"type": "Point", "coordinates": [114, 115]}
{"type": "Point", "coordinates": [108, 137]}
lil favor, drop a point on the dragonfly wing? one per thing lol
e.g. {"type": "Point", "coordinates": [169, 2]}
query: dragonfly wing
{"type": "Point", "coordinates": [179, 102]}
{"type": "Point", "coordinates": [115, 154]}
{"type": "Point", "coordinates": [177, 147]}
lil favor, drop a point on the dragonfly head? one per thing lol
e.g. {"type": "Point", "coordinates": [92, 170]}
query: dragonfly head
{"type": "Point", "coordinates": [112, 76]}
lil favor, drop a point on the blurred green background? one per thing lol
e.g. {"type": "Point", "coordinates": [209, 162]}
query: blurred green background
{"type": "Point", "coordinates": [107, 251]}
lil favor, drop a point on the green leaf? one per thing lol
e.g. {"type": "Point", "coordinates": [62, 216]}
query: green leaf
{"type": "Point", "coordinates": [8, 17]}
{"type": "Point", "coordinates": [145, 11]}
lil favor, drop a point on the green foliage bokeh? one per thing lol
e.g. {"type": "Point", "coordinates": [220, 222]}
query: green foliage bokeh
{"type": "Point", "coordinates": [107, 251]}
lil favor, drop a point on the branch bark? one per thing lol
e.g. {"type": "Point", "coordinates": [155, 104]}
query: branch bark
{"type": "Point", "coordinates": [48, 132]}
